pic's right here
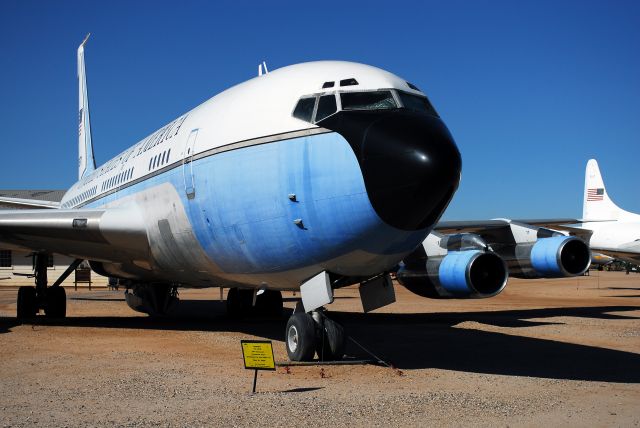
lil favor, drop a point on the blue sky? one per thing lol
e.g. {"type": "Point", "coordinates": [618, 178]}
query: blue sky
{"type": "Point", "coordinates": [530, 90]}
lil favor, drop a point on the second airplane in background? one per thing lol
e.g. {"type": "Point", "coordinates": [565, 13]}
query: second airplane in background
{"type": "Point", "coordinates": [615, 232]}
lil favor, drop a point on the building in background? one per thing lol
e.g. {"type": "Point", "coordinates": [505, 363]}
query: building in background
{"type": "Point", "coordinates": [16, 265]}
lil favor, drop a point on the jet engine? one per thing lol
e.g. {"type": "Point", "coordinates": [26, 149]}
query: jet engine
{"type": "Point", "coordinates": [469, 271]}
{"type": "Point", "coordinates": [470, 265]}
{"type": "Point", "coordinates": [553, 257]}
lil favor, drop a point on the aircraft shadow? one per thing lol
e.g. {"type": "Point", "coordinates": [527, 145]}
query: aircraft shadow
{"type": "Point", "coordinates": [98, 299]}
{"type": "Point", "coordinates": [413, 341]}
{"type": "Point", "coordinates": [417, 341]}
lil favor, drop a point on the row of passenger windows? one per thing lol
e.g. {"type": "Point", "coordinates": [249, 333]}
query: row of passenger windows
{"type": "Point", "coordinates": [117, 179]}
{"type": "Point", "coordinates": [159, 159]}
{"type": "Point", "coordinates": [81, 197]}
{"type": "Point", "coordinates": [315, 108]}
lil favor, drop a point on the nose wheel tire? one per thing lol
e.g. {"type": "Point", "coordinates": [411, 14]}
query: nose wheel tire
{"type": "Point", "coordinates": [301, 337]}
{"type": "Point", "coordinates": [332, 341]}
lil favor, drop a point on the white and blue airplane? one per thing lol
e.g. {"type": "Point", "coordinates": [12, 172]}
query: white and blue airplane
{"type": "Point", "coordinates": [310, 177]}
{"type": "Point", "coordinates": [615, 232]}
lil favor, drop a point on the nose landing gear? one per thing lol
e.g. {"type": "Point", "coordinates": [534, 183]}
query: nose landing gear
{"type": "Point", "coordinates": [308, 333]}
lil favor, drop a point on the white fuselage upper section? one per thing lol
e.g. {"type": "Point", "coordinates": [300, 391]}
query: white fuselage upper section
{"type": "Point", "coordinates": [254, 109]}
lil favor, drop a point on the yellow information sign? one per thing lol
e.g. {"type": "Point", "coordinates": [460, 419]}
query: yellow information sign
{"type": "Point", "coordinates": [258, 354]}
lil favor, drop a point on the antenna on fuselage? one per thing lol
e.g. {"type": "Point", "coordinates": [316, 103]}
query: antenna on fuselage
{"type": "Point", "coordinates": [263, 67]}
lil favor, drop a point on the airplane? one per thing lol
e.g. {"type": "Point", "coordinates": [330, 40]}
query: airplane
{"type": "Point", "coordinates": [615, 232]}
{"type": "Point", "coordinates": [309, 178]}
{"type": "Point", "coordinates": [601, 260]}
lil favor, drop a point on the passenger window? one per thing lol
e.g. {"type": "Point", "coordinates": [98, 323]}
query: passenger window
{"type": "Point", "coordinates": [375, 100]}
{"type": "Point", "coordinates": [326, 107]}
{"type": "Point", "coordinates": [413, 102]}
{"type": "Point", "coordinates": [304, 109]}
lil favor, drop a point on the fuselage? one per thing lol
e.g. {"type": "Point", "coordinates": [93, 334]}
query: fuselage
{"type": "Point", "coordinates": [622, 236]}
{"type": "Point", "coordinates": [252, 188]}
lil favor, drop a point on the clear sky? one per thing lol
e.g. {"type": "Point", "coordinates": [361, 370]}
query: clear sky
{"type": "Point", "coordinates": [530, 89]}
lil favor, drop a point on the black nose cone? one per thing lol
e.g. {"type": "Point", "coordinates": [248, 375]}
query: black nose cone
{"type": "Point", "coordinates": [410, 163]}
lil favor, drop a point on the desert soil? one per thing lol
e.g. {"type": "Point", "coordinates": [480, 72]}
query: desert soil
{"type": "Point", "coordinates": [545, 352]}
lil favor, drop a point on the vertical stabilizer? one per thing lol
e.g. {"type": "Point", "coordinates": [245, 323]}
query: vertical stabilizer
{"type": "Point", "coordinates": [596, 203]}
{"type": "Point", "coordinates": [86, 161]}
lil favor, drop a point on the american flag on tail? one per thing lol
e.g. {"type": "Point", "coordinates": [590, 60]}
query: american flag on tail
{"type": "Point", "coordinates": [595, 194]}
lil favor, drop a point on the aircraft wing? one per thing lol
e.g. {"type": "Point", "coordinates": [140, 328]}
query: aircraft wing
{"type": "Point", "coordinates": [495, 226]}
{"type": "Point", "coordinates": [113, 234]}
{"type": "Point", "coordinates": [28, 203]}
{"type": "Point", "coordinates": [632, 255]}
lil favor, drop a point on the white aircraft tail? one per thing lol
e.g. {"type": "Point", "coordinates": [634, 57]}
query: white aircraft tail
{"type": "Point", "coordinates": [86, 161]}
{"type": "Point", "coordinates": [596, 203]}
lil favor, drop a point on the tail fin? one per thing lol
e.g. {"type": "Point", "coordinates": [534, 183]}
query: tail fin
{"type": "Point", "coordinates": [86, 161]}
{"type": "Point", "coordinates": [596, 203]}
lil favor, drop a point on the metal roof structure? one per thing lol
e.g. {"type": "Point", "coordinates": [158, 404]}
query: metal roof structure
{"type": "Point", "coordinates": [41, 195]}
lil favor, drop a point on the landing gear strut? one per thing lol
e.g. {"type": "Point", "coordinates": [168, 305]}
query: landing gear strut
{"type": "Point", "coordinates": [52, 300]}
{"type": "Point", "coordinates": [308, 333]}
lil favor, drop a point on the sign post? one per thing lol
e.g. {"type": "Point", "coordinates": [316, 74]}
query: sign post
{"type": "Point", "coordinates": [257, 355]}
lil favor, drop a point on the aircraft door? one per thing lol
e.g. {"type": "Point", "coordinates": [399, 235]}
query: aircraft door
{"type": "Point", "coordinates": [187, 165]}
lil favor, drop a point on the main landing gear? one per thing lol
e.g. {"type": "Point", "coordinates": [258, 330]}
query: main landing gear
{"type": "Point", "coordinates": [308, 333]}
{"type": "Point", "coordinates": [156, 300]}
{"type": "Point", "coordinates": [52, 300]}
{"type": "Point", "coordinates": [245, 303]}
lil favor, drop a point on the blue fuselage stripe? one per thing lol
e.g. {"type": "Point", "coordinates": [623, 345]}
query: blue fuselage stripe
{"type": "Point", "coordinates": [246, 222]}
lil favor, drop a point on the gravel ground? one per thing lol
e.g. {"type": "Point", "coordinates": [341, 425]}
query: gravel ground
{"type": "Point", "coordinates": [556, 352]}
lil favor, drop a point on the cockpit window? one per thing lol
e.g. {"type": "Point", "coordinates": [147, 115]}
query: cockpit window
{"type": "Point", "coordinates": [348, 82]}
{"type": "Point", "coordinates": [326, 107]}
{"type": "Point", "coordinates": [304, 109]}
{"type": "Point", "coordinates": [326, 85]}
{"type": "Point", "coordinates": [375, 100]}
{"type": "Point", "coordinates": [414, 102]}
{"type": "Point", "coordinates": [412, 86]}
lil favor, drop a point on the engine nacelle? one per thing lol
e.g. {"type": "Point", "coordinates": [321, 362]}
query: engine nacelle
{"type": "Point", "coordinates": [553, 257]}
{"type": "Point", "coordinates": [457, 275]}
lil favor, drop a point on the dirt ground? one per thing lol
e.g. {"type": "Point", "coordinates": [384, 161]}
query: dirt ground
{"type": "Point", "coordinates": [545, 352]}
